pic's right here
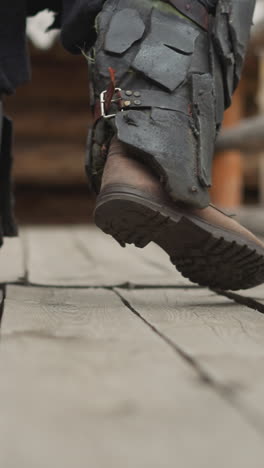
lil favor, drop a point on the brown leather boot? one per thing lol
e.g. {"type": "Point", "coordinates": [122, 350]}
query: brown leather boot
{"type": "Point", "coordinates": [206, 246]}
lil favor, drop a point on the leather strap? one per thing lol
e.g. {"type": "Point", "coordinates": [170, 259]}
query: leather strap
{"type": "Point", "coordinates": [193, 10]}
{"type": "Point", "coordinates": [146, 99]}
{"type": "Point", "coordinates": [138, 99]}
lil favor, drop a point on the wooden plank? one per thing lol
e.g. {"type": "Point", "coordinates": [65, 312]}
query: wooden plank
{"type": "Point", "coordinates": [54, 81]}
{"type": "Point", "coordinates": [87, 257]}
{"type": "Point", "coordinates": [255, 293]}
{"type": "Point", "coordinates": [228, 164]}
{"type": "Point", "coordinates": [226, 339]}
{"type": "Point", "coordinates": [51, 205]}
{"type": "Point", "coordinates": [148, 266]}
{"type": "Point", "coordinates": [82, 378]}
{"type": "Point", "coordinates": [11, 261]}
{"type": "Point", "coordinates": [51, 163]}
{"type": "Point", "coordinates": [247, 136]}
{"type": "Point", "coordinates": [35, 122]}
{"type": "Point", "coordinates": [252, 217]}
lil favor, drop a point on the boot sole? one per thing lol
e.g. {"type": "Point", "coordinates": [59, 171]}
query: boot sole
{"type": "Point", "coordinates": [205, 254]}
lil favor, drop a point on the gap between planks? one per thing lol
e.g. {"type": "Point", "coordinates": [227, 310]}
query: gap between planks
{"type": "Point", "coordinates": [27, 261]}
{"type": "Point", "coordinates": [2, 301]}
{"type": "Point", "coordinates": [243, 299]}
{"type": "Point", "coordinates": [78, 239]}
{"type": "Point", "coordinates": [72, 257]}
{"type": "Point", "coordinates": [196, 347]}
{"type": "Point", "coordinates": [225, 389]}
{"type": "Point", "coordinates": [131, 399]}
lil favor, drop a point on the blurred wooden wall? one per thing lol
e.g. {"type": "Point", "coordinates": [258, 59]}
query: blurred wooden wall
{"type": "Point", "coordinates": [235, 175]}
{"type": "Point", "coordinates": [51, 116]}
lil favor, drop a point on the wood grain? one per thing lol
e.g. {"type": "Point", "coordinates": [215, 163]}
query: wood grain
{"type": "Point", "coordinates": [11, 261]}
{"type": "Point", "coordinates": [226, 339]}
{"type": "Point", "coordinates": [87, 257]}
{"type": "Point", "coordinates": [84, 382]}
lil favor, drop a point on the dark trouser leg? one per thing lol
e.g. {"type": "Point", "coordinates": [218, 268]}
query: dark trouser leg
{"type": "Point", "coordinates": [14, 70]}
{"type": "Point", "coordinates": [7, 223]}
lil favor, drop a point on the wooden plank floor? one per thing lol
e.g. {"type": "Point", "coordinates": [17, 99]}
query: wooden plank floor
{"type": "Point", "coordinates": [109, 358]}
{"type": "Point", "coordinates": [81, 257]}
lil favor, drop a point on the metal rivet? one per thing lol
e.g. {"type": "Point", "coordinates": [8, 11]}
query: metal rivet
{"type": "Point", "coordinates": [137, 102]}
{"type": "Point", "coordinates": [137, 94]}
{"type": "Point", "coordinates": [129, 93]}
{"type": "Point", "coordinates": [127, 103]}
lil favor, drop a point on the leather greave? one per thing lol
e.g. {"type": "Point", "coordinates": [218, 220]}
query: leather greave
{"type": "Point", "coordinates": [161, 84]}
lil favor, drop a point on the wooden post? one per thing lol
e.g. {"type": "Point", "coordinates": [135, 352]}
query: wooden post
{"type": "Point", "coordinates": [228, 169]}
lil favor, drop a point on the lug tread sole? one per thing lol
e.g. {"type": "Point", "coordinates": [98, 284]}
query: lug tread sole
{"type": "Point", "coordinates": [204, 255]}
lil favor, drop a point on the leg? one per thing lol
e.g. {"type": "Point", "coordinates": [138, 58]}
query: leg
{"type": "Point", "coordinates": [183, 74]}
{"type": "Point", "coordinates": [14, 71]}
{"type": "Point", "coordinates": [174, 76]}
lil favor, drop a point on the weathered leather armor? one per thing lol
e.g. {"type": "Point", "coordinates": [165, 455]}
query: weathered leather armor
{"type": "Point", "coordinates": [162, 80]}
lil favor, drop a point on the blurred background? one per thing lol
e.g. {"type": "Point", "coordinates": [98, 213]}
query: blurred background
{"type": "Point", "coordinates": [52, 116]}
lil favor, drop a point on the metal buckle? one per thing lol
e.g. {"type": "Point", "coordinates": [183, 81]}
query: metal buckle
{"type": "Point", "coordinates": [102, 104]}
